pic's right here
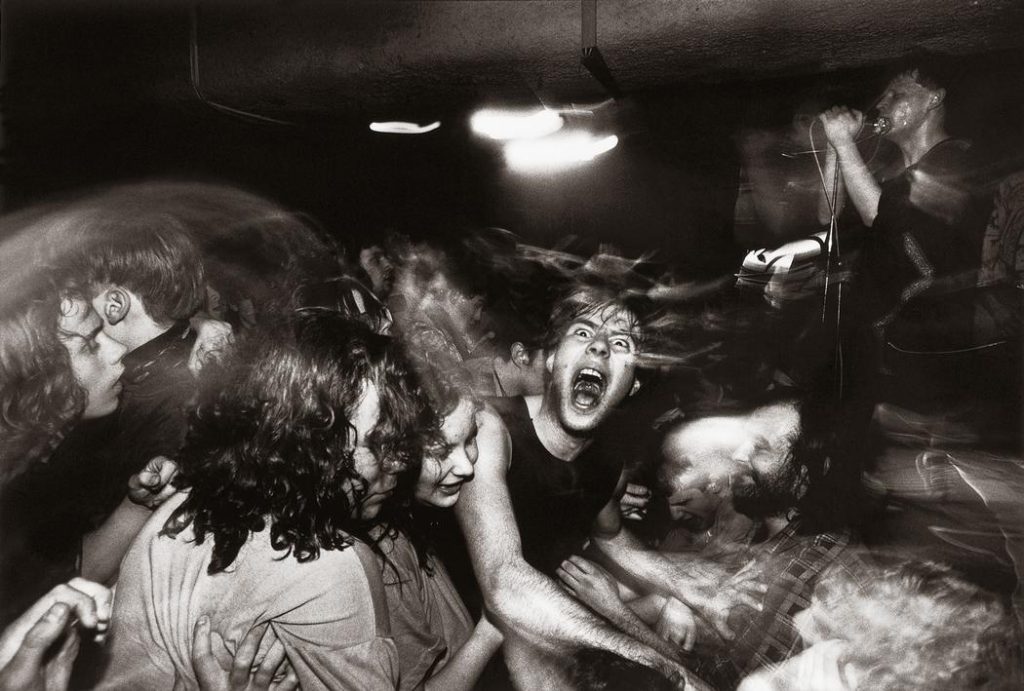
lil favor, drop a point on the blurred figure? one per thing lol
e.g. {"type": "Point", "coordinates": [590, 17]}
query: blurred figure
{"type": "Point", "coordinates": [517, 366]}
{"type": "Point", "coordinates": [736, 613]}
{"type": "Point", "coordinates": [910, 626]}
{"type": "Point", "coordinates": [925, 223]}
{"type": "Point", "coordinates": [702, 455]}
{"type": "Point", "coordinates": [293, 450]}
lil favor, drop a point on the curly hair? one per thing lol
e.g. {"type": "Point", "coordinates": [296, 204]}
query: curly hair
{"type": "Point", "coordinates": [271, 438]}
{"type": "Point", "coordinates": [918, 626]}
{"type": "Point", "coordinates": [40, 397]}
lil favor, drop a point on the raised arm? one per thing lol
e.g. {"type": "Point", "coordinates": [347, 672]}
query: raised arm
{"type": "Point", "coordinates": [522, 599]}
{"type": "Point", "coordinates": [841, 127]}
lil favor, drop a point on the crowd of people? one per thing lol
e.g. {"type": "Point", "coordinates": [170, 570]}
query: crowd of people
{"type": "Point", "coordinates": [479, 464]}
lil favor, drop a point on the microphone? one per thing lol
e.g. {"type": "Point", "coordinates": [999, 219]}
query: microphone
{"type": "Point", "coordinates": [879, 125]}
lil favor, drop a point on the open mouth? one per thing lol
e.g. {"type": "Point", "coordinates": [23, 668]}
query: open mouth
{"type": "Point", "coordinates": [587, 388]}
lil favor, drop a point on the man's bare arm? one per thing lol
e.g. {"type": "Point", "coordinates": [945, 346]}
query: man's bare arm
{"type": "Point", "coordinates": [523, 600]}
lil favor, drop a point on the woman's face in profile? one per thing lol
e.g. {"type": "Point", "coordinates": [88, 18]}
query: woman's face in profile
{"type": "Point", "coordinates": [444, 473]}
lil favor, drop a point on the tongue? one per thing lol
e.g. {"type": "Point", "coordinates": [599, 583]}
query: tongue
{"type": "Point", "coordinates": [586, 394]}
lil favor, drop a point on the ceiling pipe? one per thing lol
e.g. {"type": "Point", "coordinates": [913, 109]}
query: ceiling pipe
{"type": "Point", "coordinates": [591, 58]}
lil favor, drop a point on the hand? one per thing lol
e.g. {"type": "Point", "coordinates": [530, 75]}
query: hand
{"type": "Point", "coordinates": [29, 656]}
{"type": "Point", "coordinates": [677, 624]}
{"type": "Point", "coordinates": [842, 125]}
{"type": "Point", "coordinates": [744, 589]}
{"type": "Point", "coordinates": [816, 667]}
{"type": "Point", "coordinates": [213, 338]}
{"type": "Point", "coordinates": [633, 504]}
{"type": "Point", "coordinates": [151, 486]}
{"type": "Point", "coordinates": [274, 673]}
{"type": "Point", "coordinates": [591, 584]}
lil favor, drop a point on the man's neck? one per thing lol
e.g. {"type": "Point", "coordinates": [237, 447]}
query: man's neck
{"type": "Point", "coordinates": [920, 141]}
{"type": "Point", "coordinates": [558, 441]}
{"type": "Point", "coordinates": [143, 331]}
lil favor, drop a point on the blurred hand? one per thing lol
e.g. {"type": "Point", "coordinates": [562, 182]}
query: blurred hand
{"type": "Point", "coordinates": [842, 125]}
{"type": "Point", "coordinates": [213, 338]}
{"type": "Point", "coordinates": [742, 589]}
{"type": "Point", "coordinates": [151, 486]}
{"type": "Point", "coordinates": [815, 668]}
{"type": "Point", "coordinates": [677, 624]}
{"type": "Point", "coordinates": [633, 504]}
{"type": "Point", "coordinates": [274, 673]}
{"type": "Point", "coordinates": [591, 584]}
{"type": "Point", "coordinates": [38, 649]}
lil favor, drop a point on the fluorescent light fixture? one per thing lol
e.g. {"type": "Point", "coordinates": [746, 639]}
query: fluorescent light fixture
{"type": "Point", "coordinates": [513, 124]}
{"type": "Point", "coordinates": [557, 152]}
{"type": "Point", "coordinates": [403, 127]}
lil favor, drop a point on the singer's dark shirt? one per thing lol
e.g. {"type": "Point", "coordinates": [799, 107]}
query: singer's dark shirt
{"type": "Point", "coordinates": [930, 222]}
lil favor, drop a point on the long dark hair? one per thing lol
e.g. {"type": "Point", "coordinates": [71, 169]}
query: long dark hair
{"type": "Point", "coordinates": [270, 440]}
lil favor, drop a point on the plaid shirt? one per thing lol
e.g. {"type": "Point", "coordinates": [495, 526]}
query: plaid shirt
{"type": "Point", "coordinates": [790, 565]}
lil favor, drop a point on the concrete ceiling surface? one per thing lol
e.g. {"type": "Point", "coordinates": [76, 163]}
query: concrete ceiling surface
{"type": "Point", "coordinates": [395, 58]}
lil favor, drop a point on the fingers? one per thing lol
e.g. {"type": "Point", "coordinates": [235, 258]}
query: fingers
{"type": "Point", "coordinates": [207, 672]}
{"type": "Point", "coordinates": [584, 566]}
{"type": "Point", "coordinates": [289, 683]}
{"type": "Point", "coordinates": [100, 606]}
{"type": "Point", "coordinates": [244, 658]}
{"type": "Point", "coordinates": [38, 640]}
{"type": "Point", "coordinates": [267, 671]}
{"type": "Point", "coordinates": [568, 580]}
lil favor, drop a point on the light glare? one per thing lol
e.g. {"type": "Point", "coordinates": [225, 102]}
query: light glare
{"type": "Point", "coordinates": [557, 152]}
{"type": "Point", "coordinates": [398, 127]}
{"type": "Point", "coordinates": [510, 124]}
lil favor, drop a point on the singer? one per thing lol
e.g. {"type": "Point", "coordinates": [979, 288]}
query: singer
{"type": "Point", "coordinates": [927, 221]}
{"type": "Point", "coordinates": [919, 231]}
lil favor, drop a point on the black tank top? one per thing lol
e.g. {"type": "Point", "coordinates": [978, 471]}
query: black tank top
{"type": "Point", "coordinates": [555, 502]}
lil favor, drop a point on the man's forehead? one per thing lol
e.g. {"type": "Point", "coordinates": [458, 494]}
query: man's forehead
{"type": "Point", "coordinates": [906, 80]}
{"type": "Point", "coordinates": [614, 317]}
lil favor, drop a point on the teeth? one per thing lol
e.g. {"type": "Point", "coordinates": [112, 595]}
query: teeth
{"type": "Point", "coordinates": [591, 372]}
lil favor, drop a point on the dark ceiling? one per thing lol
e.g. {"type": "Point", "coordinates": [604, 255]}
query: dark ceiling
{"type": "Point", "coordinates": [277, 95]}
{"type": "Point", "coordinates": [391, 59]}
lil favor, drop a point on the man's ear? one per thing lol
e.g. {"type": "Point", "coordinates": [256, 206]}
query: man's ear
{"type": "Point", "coordinates": [549, 362]}
{"type": "Point", "coordinates": [937, 98]}
{"type": "Point", "coordinates": [117, 303]}
{"type": "Point", "coordinates": [520, 356]}
{"type": "Point", "coordinates": [636, 386]}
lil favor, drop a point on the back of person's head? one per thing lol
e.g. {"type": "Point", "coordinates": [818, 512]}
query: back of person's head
{"type": "Point", "coordinates": [272, 436]}
{"type": "Point", "coordinates": [593, 669]}
{"type": "Point", "coordinates": [918, 626]}
{"type": "Point", "coordinates": [117, 240]}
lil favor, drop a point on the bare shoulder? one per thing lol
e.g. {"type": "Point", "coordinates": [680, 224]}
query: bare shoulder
{"type": "Point", "coordinates": [493, 441]}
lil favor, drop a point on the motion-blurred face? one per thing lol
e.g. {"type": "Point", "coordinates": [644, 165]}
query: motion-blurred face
{"type": "Point", "coordinates": [445, 472]}
{"type": "Point", "coordinates": [379, 483]}
{"type": "Point", "coordinates": [593, 367]}
{"type": "Point", "coordinates": [95, 357]}
{"type": "Point", "coordinates": [906, 102]}
{"type": "Point", "coordinates": [768, 480]}
{"type": "Point", "coordinates": [701, 460]}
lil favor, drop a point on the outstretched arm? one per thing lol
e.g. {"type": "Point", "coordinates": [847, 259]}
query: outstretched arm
{"type": "Point", "coordinates": [522, 599]}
